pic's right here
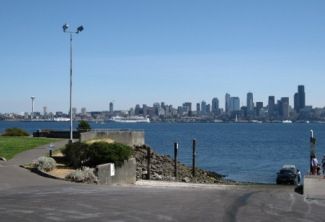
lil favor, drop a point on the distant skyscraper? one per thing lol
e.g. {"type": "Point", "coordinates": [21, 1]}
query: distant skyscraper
{"type": "Point", "coordinates": [74, 111]}
{"type": "Point", "coordinates": [300, 98]}
{"type": "Point", "coordinates": [215, 106]}
{"type": "Point", "coordinates": [250, 102]}
{"type": "Point", "coordinates": [259, 106]}
{"type": "Point", "coordinates": [111, 107]}
{"type": "Point", "coordinates": [296, 102]}
{"type": "Point", "coordinates": [83, 111]}
{"type": "Point", "coordinates": [227, 103]}
{"type": "Point", "coordinates": [145, 109]}
{"type": "Point", "coordinates": [284, 107]}
{"type": "Point", "coordinates": [198, 108]}
{"type": "Point", "coordinates": [44, 111]}
{"type": "Point", "coordinates": [137, 110]}
{"type": "Point", "coordinates": [271, 106]}
{"type": "Point", "coordinates": [203, 107]}
{"type": "Point", "coordinates": [187, 108]}
{"type": "Point", "coordinates": [234, 104]}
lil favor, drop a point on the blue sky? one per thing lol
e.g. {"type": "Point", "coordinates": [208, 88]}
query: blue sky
{"type": "Point", "coordinates": [149, 51]}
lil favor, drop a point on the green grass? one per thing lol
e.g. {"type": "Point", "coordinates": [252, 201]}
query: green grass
{"type": "Point", "coordinates": [10, 146]}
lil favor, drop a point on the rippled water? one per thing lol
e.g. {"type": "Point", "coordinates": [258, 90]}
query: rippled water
{"type": "Point", "coordinates": [242, 151]}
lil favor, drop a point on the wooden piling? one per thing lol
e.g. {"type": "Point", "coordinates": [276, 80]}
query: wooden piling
{"type": "Point", "coordinates": [193, 157]}
{"type": "Point", "coordinates": [175, 160]}
{"type": "Point", "coordinates": [149, 162]}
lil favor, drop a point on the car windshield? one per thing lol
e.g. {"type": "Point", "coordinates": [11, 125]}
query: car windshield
{"type": "Point", "coordinates": [286, 171]}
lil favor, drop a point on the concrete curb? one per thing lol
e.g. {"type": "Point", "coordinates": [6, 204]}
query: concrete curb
{"type": "Point", "coordinates": [42, 173]}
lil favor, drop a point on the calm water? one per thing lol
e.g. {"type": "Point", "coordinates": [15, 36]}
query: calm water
{"type": "Point", "coordinates": [244, 152]}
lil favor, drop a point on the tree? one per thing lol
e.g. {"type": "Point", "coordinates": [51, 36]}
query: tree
{"type": "Point", "coordinates": [83, 126]}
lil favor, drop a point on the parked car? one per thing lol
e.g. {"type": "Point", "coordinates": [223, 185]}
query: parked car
{"type": "Point", "coordinates": [287, 175]}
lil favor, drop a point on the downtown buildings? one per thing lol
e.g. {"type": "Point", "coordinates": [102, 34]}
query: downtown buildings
{"type": "Point", "coordinates": [276, 109]}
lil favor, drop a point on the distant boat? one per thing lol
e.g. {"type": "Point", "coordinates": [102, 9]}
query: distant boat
{"type": "Point", "coordinates": [130, 119]}
{"type": "Point", "coordinates": [256, 121]}
{"type": "Point", "coordinates": [61, 119]}
{"type": "Point", "coordinates": [286, 121]}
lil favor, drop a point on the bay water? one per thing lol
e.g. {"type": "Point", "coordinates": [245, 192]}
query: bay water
{"type": "Point", "coordinates": [242, 151]}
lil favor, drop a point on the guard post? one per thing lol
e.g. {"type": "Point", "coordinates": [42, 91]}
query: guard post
{"type": "Point", "coordinates": [50, 147]}
{"type": "Point", "coordinates": [149, 162]}
{"type": "Point", "coordinates": [312, 149]}
{"type": "Point", "coordinates": [193, 157]}
{"type": "Point", "coordinates": [175, 160]}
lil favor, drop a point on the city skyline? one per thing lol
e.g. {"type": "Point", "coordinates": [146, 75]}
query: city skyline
{"type": "Point", "coordinates": [143, 52]}
{"type": "Point", "coordinates": [234, 103]}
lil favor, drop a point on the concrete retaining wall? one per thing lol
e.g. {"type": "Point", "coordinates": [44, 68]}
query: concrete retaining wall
{"type": "Point", "coordinates": [126, 174]}
{"type": "Point", "coordinates": [130, 138]}
{"type": "Point", "coordinates": [314, 187]}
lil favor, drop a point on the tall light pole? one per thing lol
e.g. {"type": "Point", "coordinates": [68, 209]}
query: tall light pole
{"type": "Point", "coordinates": [65, 29]}
{"type": "Point", "coordinates": [32, 114]}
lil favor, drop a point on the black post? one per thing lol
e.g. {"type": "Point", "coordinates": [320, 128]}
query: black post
{"type": "Point", "coordinates": [149, 162]}
{"type": "Point", "coordinates": [175, 159]}
{"type": "Point", "coordinates": [312, 149]}
{"type": "Point", "coordinates": [50, 153]}
{"type": "Point", "coordinates": [193, 158]}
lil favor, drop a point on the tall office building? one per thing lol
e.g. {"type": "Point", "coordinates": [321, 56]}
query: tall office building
{"type": "Point", "coordinates": [284, 108]}
{"type": "Point", "coordinates": [302, 96]}
{"type": "Point", "coordinates": [227, 103]}
{"type": "Point", "coordinates": [111, 107]}
{"type": "Point", "coordinates": [187, 108]}
{"type": "Point", "coordinates": [215, 106]}
{"type": "Point", "coordinates": [234, 104]}
{"type": "Point", "coordinates": [259, 107]}
{"type": "Point", "coordinates": [296, 102]}
{"type": "Point", "coordinates": [250, 102]}
{"type": "Point", "coordinates": [45, 111]}
{"type": "Point", "coordinates": [74, 111]}
{"type": "Point", "coordinates": [198, 109]}
{"type": "Point", "coordinates": [203, 108]}
{"type": "Point", "coordinates": [271, 106]}
{"type": "Point", "coordinates": [83, 111]}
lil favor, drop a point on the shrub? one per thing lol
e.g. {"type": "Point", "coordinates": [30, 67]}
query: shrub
{"type": "Point", "coordinates": [82, 154]}
{"type": "Point", "coordinates": [15, 132]}
{"type": "Point", "coordinates": [81, 176]}
{"type": "Point", "coordinates": [75, 154]}
{"type": "Point", "coordinates": [102, 152]}
{"type": "Point", "coordinates": [83, 126]}
{"type": "Point", "coordinates": [45, 163]}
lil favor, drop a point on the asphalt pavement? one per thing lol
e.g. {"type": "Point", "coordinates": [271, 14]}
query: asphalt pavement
{"type": "Point", "coordinates": [25, 196]}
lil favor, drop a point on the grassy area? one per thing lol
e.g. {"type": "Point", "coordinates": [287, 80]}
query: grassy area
{"type": "Point", "coordinates": [10, 146]}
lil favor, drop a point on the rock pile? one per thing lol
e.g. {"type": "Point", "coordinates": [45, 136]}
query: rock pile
{"type": "Point", "coordinates": [162, 168]}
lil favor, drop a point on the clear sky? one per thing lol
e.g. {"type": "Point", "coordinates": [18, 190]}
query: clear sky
{"type": "Point", "coordinates": [144, 51]}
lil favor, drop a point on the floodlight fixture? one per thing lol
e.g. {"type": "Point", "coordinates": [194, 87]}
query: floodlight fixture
{"type": "Point", "coordinates": [79, 29]}
{"type": "Point", "coordinates": [65, 27]}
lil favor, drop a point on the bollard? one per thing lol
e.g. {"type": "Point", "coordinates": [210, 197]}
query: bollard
{"type": "Point", "coordinates": [50, 149]}
{"type": "Point", "coordinates": [175, 160]}
{"type": "Point", "coordinates": [312, 149]}
{"type": "Point", "coordinates": [149, 162]}
{"type": "Point", "coordinates": [193, 158]}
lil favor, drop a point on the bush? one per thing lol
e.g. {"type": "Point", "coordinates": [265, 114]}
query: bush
{"type": "Point", "coordinates": [81, 176]}
{"type": "Point", "coordinates": [15, 132]}
{"type": "Point", "coordinates": [45, 163]}
{"type": "Point", "coordinates": [102, 152]}
{"type": "Point", "coordinates": [81, 154]}
{"type": "Point", "coordinates": [75, 154]}
{"type": "Point", "coordinates": [83, 126]}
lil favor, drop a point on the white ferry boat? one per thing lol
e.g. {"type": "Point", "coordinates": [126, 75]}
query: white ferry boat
{"type": "Point", "coordinates": [130, 119]}
{"type": "Point", "coordinates": [286, 121]}
{"type": "Point", "coordinates": [61, 119]}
